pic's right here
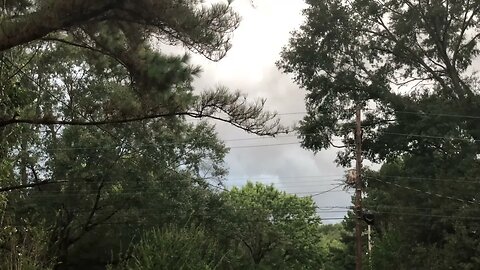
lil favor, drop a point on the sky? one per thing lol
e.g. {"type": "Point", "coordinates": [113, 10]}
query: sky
{"type": "Point", "coordinates": [250, 67]}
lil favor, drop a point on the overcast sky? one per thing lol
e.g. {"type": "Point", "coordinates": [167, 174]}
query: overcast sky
{"type": "Point", "coordinates": [250, 67]}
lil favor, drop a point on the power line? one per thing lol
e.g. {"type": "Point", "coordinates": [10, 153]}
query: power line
{"type": "Point", "coordinates": [232, 179]}
{"type": "Point", "coordinates": [459, 217]}
{"type": "Point", "coordinates": [199, 212]}
{"type": "Point", "coordinates": [136, 223]}
{"type": "Point", "coordinates": [320, 210]}
{"type": "Point", "coordinates": [440, 114]}
{"type": "Point", "coordinates": [426, 192]}
{"type": "Point", "coordinates": [251, 146]}
{"type": "Point", "coordinates": [292, 113]}
{"type": "Point", "coordinates": [76, 193]}
{"type": "Point", "coordinates": [381, 132]}
{"type": "Point", "coordinates": [263, 145]}
{"type": "Point", "coordinates": [326, 191]}
{"type": "Point", "coordinates": [453, 180]}
{"type": "Point", "coordinates": [430, 215]}
{"type": "Point", "coordinates": [428, 136]}
{"type": "Point", "coordinates": [165, 144]}
{"type": "Point", "coordinates": [259, 138]}
{"type": "Point", "coordinates": [258, 145]}
{"type": "Point", "coordinates": [279, 181]}
{"type": "Point", "coordinates": [283, 177]}
{"type": "Point", "coordinates": [403, 112]}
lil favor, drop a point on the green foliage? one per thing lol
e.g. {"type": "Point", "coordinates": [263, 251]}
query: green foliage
{"type": "Point", "coordinates": [383, 254]}
{"type": "Point", "coordinates": [110, 70]}
{"type": "Point", "coordinates": [408, 63]}
{"type": "Point", "coordinates": [336, 247]}
{"type": "Point", "coordinates": [202, 28]}
{"type": "Point", "coordinates": [273, 229]}
{"type": "Point", "coordinates": [23, 248]}
{"type": "Point", "coordinates": [94, 117]}
{"type": "Point", "coordinates": [256, 227]}
{"type": "Point", "coordinates": [175, 248]}
{"type": "Point", "coordinates": [426, 212]}
{"type": "Point", "coordinates": [132, 176]}
{"type": "Point", "coordinates": [154, 177]}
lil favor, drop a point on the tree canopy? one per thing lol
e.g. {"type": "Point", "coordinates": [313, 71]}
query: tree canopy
{"type": "Point", "coordinates": [409, 64]}
{"type": "Point", "coordinates": [95, 145]}
{"type": "Point", "coordinates": [275, 229]}
{"type": "Point", "coordinates": [114, 45]}
{"type": "Point", "coordinates": [258, 227]}
{"type": "Point", "coordinates": [412, 68]}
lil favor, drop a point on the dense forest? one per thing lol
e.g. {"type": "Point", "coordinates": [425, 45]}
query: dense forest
{"type": "Point", "coordinates": [100, 167]}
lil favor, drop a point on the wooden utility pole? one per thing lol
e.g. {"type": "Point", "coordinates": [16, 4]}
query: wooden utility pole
{"type": "Point", "coordinates": [358, 189]}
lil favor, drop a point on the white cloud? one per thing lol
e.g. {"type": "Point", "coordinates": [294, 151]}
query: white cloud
{"type": "Point", "coordinates": [250, 67]}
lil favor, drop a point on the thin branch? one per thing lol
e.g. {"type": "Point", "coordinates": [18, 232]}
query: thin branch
{"type": "Point", "coordinates": [48, 121]}
{"type": "Point", "coordinates": [71, 43]}
{"type": "Point", "coordinates": [465, 23]}
{"type": "Point", "coordinates": [249, 247]}
{"type": "Point", "coordinates": [95, 205]}
{"type": "Point", "coordinates": [336, 146]}
{"type": "Point", "coordinates": [94, 224]}
{"type": "Point", "coordinates": [35, 175]}
{"type": "Point", "coordinates": [20, 69]}
{"type": "Point", "coordinates": [42, 183]}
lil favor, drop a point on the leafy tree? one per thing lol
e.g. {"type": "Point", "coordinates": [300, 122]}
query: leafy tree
{"type": "Point", "coordinates": [202, 28]}
{"type": "Point", "coordinates": [113, 47]}
{"type": "Point", "coordinates": [409, 63]}
{"type": "Point", "coordinates": [257, 227]}
{"type": "Point", "coordinates": [174, 248]}
{"type": "Point", "coordinates": [425, 211]}
{"type": "Point", "coordinates": [410, 66]}
{"type": "Point", "coordinates": [112, 174]}
{"type": "Point", "coordinates": [22, 247]}
{"type": "Point", "coordinates": [272, 229]}
{"type": "Point", "coordinates": [337, 247]}
{"type": "Point", "coordinates": [93, 130]}
{"type": "Point", "coordinates": [114, 191]}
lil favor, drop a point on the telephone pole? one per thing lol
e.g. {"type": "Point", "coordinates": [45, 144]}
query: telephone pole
{"type": "Point", "coordinates": [358, 189]}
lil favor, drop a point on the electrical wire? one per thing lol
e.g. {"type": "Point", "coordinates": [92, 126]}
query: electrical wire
{"type": "Point", "coordinates": [327, 191]}
{"type": "Point", "coordinates": [426, 192]}
{"type": "Point", "coordinates": [55, 194]}
{"type": "Point", "coordinates": [255, 145]}
{"type": "Point", "coordinates": [453, 180]}
{"type": "Point", "coordinates": [403, 112]}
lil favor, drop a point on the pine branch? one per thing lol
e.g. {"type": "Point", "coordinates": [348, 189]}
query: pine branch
{"type": "Point", "coordinates": [63, 14]}
{"type": "Point", "coordinates": [255, 128]}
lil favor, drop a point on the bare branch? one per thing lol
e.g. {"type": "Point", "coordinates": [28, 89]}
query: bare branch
{"type": "Point", "coordinates": [95, 205]}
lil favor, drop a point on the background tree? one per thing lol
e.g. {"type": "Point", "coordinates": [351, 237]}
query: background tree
{"type": "Point", "coordinates": [411, 66]}
{"type": "Point", "coordinates": [424, 211]}
{"type": "Point", "coordinates": [120, 39]}
{"type": "Point", "coordinates": [257, 227]}
{"type": "Point", "coordinates": [337, 246]}
{"type": "Point", "coordinates": [407, 63]}
{"type": "Point", "coordinates": [95, 142]}
{"type": "Point", "coordinates": [272, 229]}
{"type": "Point", "coordinates": [176, 248]}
